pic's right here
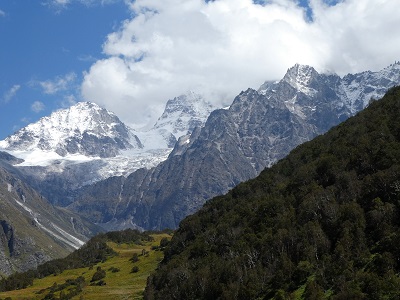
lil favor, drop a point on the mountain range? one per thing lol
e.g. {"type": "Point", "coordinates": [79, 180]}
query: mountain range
{"type": "Point", "coordinates": [85, 143]}
{"type": "Point", "coordinates": [236, 144]}
{"type": "Point", "coordinates": [321, 223]}
{"type": "Point", "coordinates": [86, 159]}
{"type": "Point", "coordinates": [83, 164]}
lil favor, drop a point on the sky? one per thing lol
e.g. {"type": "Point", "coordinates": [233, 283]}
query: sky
{"type": "Point", "coordinates": [132, 56]}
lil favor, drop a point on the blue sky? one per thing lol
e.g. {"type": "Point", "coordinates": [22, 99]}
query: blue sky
{"type": "Point", "coordinates": [131, 56]}
{"type": "Point", "coordinates": [45, 48]}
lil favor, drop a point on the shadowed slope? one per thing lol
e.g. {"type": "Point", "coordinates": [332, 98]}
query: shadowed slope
{"type": "Point", "coordinates": [323, 222]}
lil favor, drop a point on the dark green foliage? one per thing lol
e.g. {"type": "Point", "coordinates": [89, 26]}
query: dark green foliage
{"type": "Point", "coordinates": [164, 242]}
{"type": "Point", "coordinates": [114, 269]}
{"type": "Point", "coordinates": [99, 274]}
{"type": "Point", "coordinates": [129, 236]}
{"type": "Point", "coordinates": [324, 221]}
{"type": "Point", "coordinates": [313, 291]}
{"type": "Point", "coordinates": [93, 252]}
{"type": "Point", "coordinates": [134, 258]}
{"type": "Point", "coordinates": [100, 283]}
{"type": "Point", "coordinates": [68, 290]}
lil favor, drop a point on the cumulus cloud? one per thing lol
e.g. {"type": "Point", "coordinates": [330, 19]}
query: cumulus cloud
{"type": "Point", "coordinates": [60, 83]}
{"type": "Point", "coordinates": [37, 106]}
{"type": "Point", "coordinates": [11, 93]}
{"type": "Point", "coordinates": [221, 47]}
{"type": "Point", "coordinates": [363, 36]}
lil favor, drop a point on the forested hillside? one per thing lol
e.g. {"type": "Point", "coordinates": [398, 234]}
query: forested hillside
{"type": "Point", "coordinates": [322, 223]}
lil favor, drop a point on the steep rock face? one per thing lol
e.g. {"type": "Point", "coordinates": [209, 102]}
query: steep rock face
{"type": "Point", "coordinates": [31, 230]}
{"type": "Point", "coordinates": [258, 129]}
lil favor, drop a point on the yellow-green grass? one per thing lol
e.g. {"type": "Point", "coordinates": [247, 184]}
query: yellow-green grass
{"type": "Point", "coordinates": [119, 285]}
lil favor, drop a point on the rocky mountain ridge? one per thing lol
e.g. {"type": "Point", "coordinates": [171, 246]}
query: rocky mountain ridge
{"type": "Point", "coordinates": [235, 144]}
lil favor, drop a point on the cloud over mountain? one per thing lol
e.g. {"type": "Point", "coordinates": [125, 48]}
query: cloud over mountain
{"type": "Point", "coordinates": [221, 47]}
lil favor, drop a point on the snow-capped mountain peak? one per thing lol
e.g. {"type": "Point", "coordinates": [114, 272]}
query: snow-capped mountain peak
{"type": "Point", "coordinates": [181, 116]}
{"type": "Point", "coordinates": [360, 88]}
{"type": "Point", "coordinates": [86, 143]}
{"type": "Point", "coordinates": [303, 87]}
{"type": "Point", "coordinates": [301, 78]}
{"type": "Point", "coordinates": [84, 128]}
{"type": "Point", "coordinates": [184, 113]}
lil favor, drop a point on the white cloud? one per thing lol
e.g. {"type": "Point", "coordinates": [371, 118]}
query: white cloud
{"type": "Point", "coordinates": [37, 106]}
{"type": "Point", "coordinates": [363, 36]}
{"type": "Point", "coordinates": [2, 13]}
{"type": "Point", "coordinates": [224, 46]}
{"type": "Point", "coordinates": [87, 58]}
{"type": "Point", "coordinates": [68, 101]}
{"type": "Point", "coordinates": [59, 5]}
{"type": "Point", "coordinates": [60, 83]}
{"type": "Point", "coordinates": [25, 120]}
{"type": "Point", "coordinates": [11, 93]}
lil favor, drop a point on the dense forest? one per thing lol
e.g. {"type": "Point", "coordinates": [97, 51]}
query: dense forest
{"type": "Point", "coordinates": [323, 223]}
{"type": "Point", "coordinates": [94, 251]}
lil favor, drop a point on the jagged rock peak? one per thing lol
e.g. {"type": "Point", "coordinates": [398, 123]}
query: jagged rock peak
{"type": "Point", "coordinates": [243, 98]}
{"type": "Point", "coordinates": [300, 75]}
{"type": "Point", "coordinates": [182, 114]}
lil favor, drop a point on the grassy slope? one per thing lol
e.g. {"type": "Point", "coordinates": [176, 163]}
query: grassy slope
{"type": "Point", "coordinates": [119, 285]}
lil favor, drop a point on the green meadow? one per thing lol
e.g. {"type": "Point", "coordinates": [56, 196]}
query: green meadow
{"type": "Point", "coordinates": [117, 282]}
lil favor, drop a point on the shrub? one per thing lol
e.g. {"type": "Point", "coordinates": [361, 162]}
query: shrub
{"type": "Point", "coordinates": [134, 258]}
{"type": "Point", "coordinates": [99, 274]}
